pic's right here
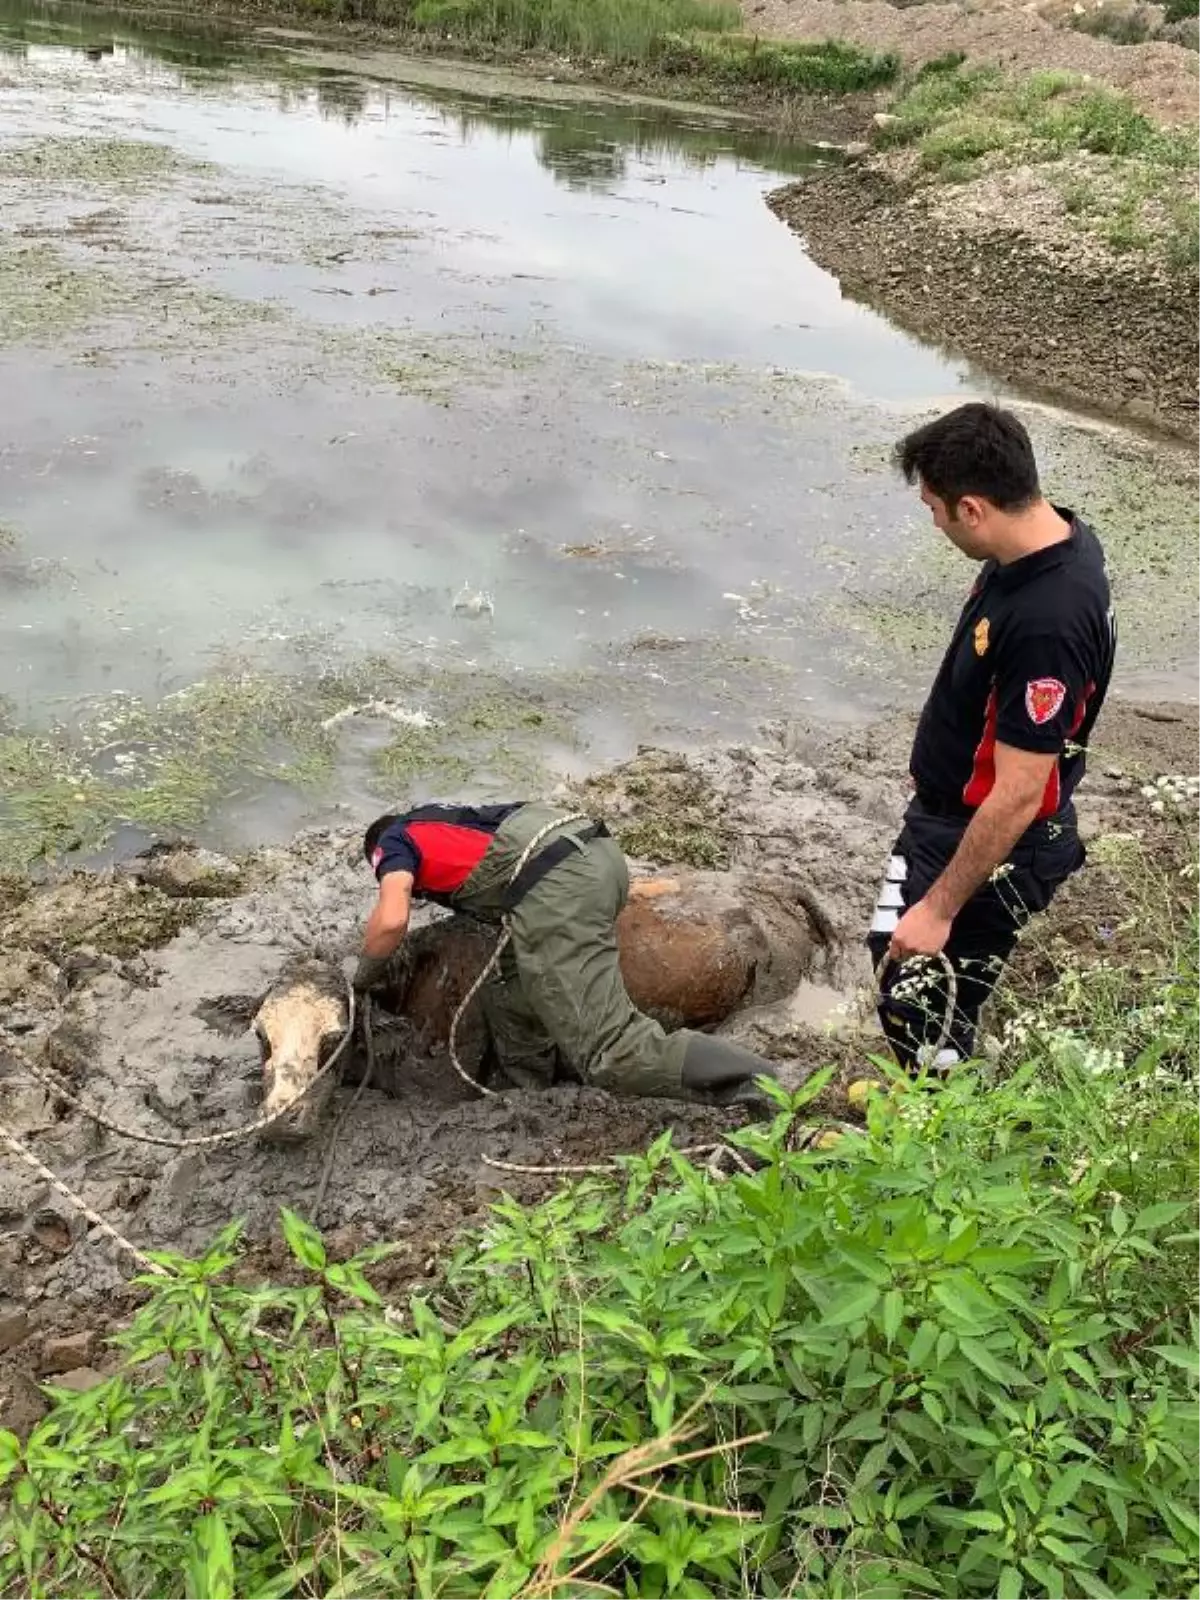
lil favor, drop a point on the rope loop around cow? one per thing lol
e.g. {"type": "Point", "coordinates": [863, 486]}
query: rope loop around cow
{"type": "Point", "coordinates": [209, 1141]}
{"type": "Point", "coordinates": [51, 1081]}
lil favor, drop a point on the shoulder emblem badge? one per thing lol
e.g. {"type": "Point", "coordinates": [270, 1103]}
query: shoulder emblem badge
{"type": "Point", "coordinates": [377, 855]}
{"type": "Point", "coordinates": [982, 631]}
{"type": "Point", "coordinates": [1043, 699]}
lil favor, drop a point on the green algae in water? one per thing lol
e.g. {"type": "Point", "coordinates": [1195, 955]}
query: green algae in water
{"type": "Point", "coordinates": [172, 764]}
{"type": "Point", "coordinates": [494, 733]}
{"type": "Point", "coordinates": [161, 766]}
{"type": "Point", "coordinates": [42, 295]}
{"type": "Point", "coordinates": [94, 162]}
{"type": "Point", "coordinates": [45, 295]}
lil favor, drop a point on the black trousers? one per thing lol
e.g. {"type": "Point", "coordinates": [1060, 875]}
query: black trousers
{"type": "Point", "coordinates": [913, 999]}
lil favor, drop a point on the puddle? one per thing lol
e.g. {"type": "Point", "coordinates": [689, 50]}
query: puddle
{"type": "Point", "coordinates": [818, 1005]}
{"type": "Point", "coordinates": [330, 380]}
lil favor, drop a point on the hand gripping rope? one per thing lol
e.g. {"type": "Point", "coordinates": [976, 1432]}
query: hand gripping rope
{"type": "Point", "coordinates": [951, 993]}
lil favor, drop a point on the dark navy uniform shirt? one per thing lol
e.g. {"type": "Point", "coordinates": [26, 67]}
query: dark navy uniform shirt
{"type": "Point", "coordinates": [440, 845]}
{"type": "Point", "coordinates": [1028, 666]}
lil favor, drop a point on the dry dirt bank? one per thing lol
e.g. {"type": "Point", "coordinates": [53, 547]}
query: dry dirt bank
{"type": "Point", "coordinates": [971, 267]}
{"type": "Point", "coordinates": [1161, 78]}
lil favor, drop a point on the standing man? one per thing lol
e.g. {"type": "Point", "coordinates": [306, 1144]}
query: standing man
{"type": "Point", "coordinates": [990, 833]}
{"type": "Point", "coordinates": [557, 994]}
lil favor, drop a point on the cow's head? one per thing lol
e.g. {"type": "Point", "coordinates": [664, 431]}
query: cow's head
{"type": "Point", "coordinates": [299, 1024]}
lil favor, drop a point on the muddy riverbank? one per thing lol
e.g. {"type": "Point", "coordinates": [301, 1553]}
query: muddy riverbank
{"type": "Point", "coordinates": [135, 986]}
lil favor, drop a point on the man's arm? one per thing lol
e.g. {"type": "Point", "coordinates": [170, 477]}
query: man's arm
{"type": "Point", "coordinates": [1014, 802]}
{"type": "Point", "coordinates": [388, 922]}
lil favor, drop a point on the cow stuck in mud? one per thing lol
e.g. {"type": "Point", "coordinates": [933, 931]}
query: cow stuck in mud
{"type": "Point", "coordinates": [695, 949]}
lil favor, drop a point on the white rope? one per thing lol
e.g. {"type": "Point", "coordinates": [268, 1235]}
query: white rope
{"type": "Point", "coordinates": [206, 1141]}
{"type": "Point", "coordinates": [25, 1154]}
{"type": "Point", "coordinates": [51, 1080]}
{"type": "Point", "coordinates": [502, 944]}
{"type": "Point", "coordinates": [951, 1006]}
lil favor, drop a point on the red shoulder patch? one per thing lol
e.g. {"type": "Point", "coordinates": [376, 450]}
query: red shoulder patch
{"type": "Point", "coordinates": [1043, 699]}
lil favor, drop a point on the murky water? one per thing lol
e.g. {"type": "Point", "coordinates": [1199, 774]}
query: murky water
{"type": "Point", "coordinates": [324, 390]}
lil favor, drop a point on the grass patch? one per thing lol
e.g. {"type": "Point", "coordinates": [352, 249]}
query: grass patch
{"type": "Point", "coordinates": [1183, 239]}
{"type": "Point", "coordinates": [964, 112]}
{"type": "Point", "coordinates": [677, 38]}
{"type": "Point", "coordinates": [1123, 179]}
{"type": "Point", "coordinates": [817, 67]}
{"type": "Point", "coordinates": [951, 1353]}
{"type": "Point", "coordinates": [619, 31]}
{"type": "Point", "coordinates": [1122, 27]}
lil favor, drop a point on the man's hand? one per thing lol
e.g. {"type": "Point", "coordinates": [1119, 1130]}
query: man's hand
{"type": "Point", "coordinates": [921, 931]}
{"type": "Point", "coordinates": [370, 973]}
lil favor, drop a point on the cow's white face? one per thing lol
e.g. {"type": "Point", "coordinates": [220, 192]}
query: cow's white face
{"type": "Point", "coordinates": [298, 1025]}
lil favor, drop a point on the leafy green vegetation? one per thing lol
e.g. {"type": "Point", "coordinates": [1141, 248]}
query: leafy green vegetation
{"type": "Point", "coordinates": [950, 1353]}
{"type": "Point", "coordinates": [678, 38]}
{"type": "Point", "coordinates": [692, 45]}
{"type": "Point", "coordinates": [1124, 178]}
{"type": "Point", "coordinates": [953, 1354]}
{"type": "Point", "coordinates": [935, 1359]}
{"type": "Point", "coordinates": [805, 67]}
{"type": "Point", "coordinates": [964, 112]}
{"type": "Point", "coordinates": [1121, 26]}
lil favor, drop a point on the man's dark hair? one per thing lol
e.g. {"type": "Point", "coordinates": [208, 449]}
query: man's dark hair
{"type": "Point", "coordinates": [976, 449]}
{"type": "Point", "coordinates": [376, 831]}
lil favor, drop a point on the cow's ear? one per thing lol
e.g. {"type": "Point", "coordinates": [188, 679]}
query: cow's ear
{"type": "Point", "coordinates": [229, 1013]}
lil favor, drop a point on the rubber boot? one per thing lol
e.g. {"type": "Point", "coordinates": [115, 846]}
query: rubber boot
{"type": "Point", "coordinates": [722, 1073]}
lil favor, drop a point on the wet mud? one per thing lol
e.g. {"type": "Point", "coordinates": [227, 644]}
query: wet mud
{"type": "Point", "coordinates": [141, 996]}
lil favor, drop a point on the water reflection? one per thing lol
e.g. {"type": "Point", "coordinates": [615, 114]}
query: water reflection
{"type": "Point", "coordinates": [589, 147]}
{"type": "Point", "coordinates": [96, 31]}
{"type": "Point", "coordinates": [586, 146]}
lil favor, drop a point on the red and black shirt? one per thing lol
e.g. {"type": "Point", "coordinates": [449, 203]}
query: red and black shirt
{"type": "Point", "coordinates": [1028, 666]}
{"type": "Point", "coordinates": [440, 845]}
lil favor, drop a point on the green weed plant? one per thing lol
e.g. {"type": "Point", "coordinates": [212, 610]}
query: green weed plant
{"type": "Point", "coordinates": [940, 1358]}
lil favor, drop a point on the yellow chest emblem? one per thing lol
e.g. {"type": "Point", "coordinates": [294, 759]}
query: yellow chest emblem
{"type": "Point", "coordinates": [982, 630]}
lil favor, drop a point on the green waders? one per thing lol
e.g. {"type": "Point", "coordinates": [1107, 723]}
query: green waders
{"type": "Point", "coordinates": [558, 990]}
